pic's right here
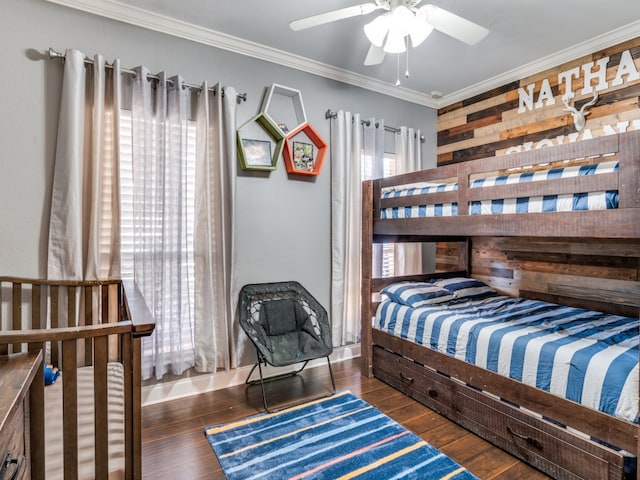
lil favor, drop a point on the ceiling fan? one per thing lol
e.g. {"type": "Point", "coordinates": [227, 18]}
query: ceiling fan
{"type": "Point", "coordinates": [403, 19]}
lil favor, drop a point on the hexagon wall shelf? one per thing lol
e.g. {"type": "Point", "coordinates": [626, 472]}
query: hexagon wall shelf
{"type": "Point", "coordinates": [304, 151]}
{"type": "Point", "coordinates": [284, 104]}
{"type": "Point", "coordinates": [260, 143]}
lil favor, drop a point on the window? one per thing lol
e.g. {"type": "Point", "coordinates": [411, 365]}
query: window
{"type": "Point", "coordinates": [130, 243]}
{"type": "Point", "coordinates": [388, 249]}
{"type": "Point", "coordinates": [388, 170]}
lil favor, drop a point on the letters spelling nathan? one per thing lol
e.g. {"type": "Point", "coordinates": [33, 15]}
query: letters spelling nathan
{"type": "Point", "coordinates": [627, 72]}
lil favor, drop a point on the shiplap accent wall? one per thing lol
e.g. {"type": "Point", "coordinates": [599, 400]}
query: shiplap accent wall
{"type": "Point", "coordinates": [603, 275]}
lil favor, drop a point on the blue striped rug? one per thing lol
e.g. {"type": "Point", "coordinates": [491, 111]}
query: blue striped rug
{"type": "Point", "coordinates": [339, 437]}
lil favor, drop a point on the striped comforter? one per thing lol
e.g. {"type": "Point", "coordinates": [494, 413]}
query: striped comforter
{"type": "Point", "coordinates": [546, 203]}
{"type": "Point", "coordinates": [585, 356]}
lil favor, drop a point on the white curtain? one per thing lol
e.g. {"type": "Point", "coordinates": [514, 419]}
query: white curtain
{"type": "Point", "coordinates": [214, 231]}
{"type": "Point", "coordinates": [348, 142]}
{"type": "Point", "coordinates": [84, 230]}
{"type": "Point", "coordinates": [407, 257]}
{"type": "Point", "coordinates": [162, 267]}
{"type": "Point", "coordinates": [373, 157]}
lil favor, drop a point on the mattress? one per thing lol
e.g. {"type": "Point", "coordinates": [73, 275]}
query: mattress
{"type": "Point", "coordinates": [585, 356]}
{"type": "Point", "coordinates": [54, 452]}
{"type": "Point", "coordinates": [546, 203]}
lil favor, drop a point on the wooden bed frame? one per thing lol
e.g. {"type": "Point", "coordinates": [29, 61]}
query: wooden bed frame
{"type": "Point", "coordinates": [107, 327]}
{"type": "Point", "coordinates": [478, 399]}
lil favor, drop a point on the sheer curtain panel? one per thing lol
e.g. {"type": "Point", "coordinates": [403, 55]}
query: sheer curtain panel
{"type": "Point", "coordinates": [407, 257]}
{"type": "Point", "coordinates": [214, 228]}
{"type": "Point", "coordinates": [84, 229]}
{"type": "Point", "coordinates": [163, 232]}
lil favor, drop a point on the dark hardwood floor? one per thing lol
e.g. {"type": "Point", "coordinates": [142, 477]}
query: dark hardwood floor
{"type": "Point", "coordinates": [174, 446]}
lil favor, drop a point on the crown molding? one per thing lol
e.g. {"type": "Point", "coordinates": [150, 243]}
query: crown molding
{"type": "Point", "coordinates": [606, 40]}
{"type": "Point", "coordinates": [115, 10]}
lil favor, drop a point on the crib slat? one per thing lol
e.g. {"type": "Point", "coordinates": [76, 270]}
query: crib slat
{"type": "Point", "coordinates": [88, 320]}
{"type": "Point", "coordinates": [17, 312]}
{"type": "Point", "coordinates": [114, 315]}
{"type": "Point", "coordinates": [55, 323]}
{"type": "Point", "coordinates": [70, 409]}
{"type": "Point", "coordinates": [101, 435]}
{"type": "Point", "coordinates": [72, 317]}
{"type": "Point", "coordinates": [105, 296]}
{"type": "Point", "coordinates": [36, 313]}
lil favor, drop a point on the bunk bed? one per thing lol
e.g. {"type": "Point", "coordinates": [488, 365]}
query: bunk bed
{"type": "Point", "coordinates": [588, 189]}
{"type": "Point", "coordinates": [87, 423]}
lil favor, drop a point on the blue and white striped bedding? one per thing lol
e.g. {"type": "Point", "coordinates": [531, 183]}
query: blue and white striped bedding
{"type": "Point", "coordinates": [585, 356]}
{"type": "Point", "coordinates": [547, 203]}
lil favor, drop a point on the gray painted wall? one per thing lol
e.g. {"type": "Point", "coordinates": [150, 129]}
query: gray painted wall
{"type": "Point", "coordinates": [283, 224]}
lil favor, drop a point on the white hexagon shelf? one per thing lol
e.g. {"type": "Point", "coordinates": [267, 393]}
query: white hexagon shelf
{"type": "Point", "coordinates": [283, 105]}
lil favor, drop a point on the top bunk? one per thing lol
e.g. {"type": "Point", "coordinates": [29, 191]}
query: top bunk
{"type": "Point", "coordinates": [583, 189]}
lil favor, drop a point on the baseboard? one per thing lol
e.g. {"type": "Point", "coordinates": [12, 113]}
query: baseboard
{"type": "Point", "coordinates": [185, 387]}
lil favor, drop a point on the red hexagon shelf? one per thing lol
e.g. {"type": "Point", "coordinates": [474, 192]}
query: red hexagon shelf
{"type": "Point", "coordinates": [304, 151]}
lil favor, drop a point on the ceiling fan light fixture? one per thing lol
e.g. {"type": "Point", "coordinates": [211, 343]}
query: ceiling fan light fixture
{"type": "Point", "coordinates": [400, 20]}
{"type": "Point", "coordinates": [377, 29]}
{"type": "Point", "coordinates": [395, 42]}
{"type": "Point", "coordinates": [420, 30]}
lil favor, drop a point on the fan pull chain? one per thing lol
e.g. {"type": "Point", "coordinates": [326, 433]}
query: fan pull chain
{"type": "Point", "coordinates": [397, 70]}
{"type": "Point", "coordinates": [406, 73]}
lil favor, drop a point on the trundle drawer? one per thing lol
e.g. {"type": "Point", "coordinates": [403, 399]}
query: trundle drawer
{"type": "Point", "coordinates": [548, 447]}
{"type": "Point", "coordinates": [410, 378]}
{"type": "Point", "coordinates": [541, 444]}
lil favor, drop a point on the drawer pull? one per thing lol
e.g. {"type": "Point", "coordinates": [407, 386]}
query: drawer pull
{"type": "Point", "coordinates": [6, 463]}
{"type": "Point", "coordinates": [405, 378]}
{"type": "Point", "coordinates": [529, 440]}
{"type": "Point", "coordinates": [432, 393]}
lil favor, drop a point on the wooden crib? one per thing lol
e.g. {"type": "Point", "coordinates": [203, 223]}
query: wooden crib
{"type": "Point", "coordinates": [91, 331]}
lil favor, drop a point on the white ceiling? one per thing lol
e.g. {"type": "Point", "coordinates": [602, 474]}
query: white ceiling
{"type": "Point", "coordinates": [526, 37]}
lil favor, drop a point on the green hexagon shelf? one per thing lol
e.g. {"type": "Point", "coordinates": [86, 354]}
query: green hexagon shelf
{"type": "Point", "coordinates": [304, 151]}
{"type": "Point", "coordinates": [260, 143]}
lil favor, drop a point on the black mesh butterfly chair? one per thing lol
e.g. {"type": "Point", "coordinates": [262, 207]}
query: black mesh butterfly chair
{"type": "Point", "coordinates": [287, 326]}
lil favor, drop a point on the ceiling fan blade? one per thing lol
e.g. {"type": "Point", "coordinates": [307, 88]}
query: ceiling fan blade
{"type": "Point", "coordinates": [453, 25]}
{"type": "Point", "coordinates": [332, 16]}
{"type": "Point", "coordinates": [375, 55]}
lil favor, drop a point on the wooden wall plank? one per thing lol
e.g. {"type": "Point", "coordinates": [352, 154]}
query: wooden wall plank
{"type": "Point", "coordinates": [467, 130]}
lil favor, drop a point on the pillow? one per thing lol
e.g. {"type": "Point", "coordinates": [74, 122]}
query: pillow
{"type": "Point", "coordinates": [467, 288]}
{"type": "Point", "coordinates": [417, 294]}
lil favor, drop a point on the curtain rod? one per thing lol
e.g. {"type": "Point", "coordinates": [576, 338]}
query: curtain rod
{"type": "Point", "coordinates": [329, 114]}
{"type": "Point", "coordinates": [54, 54]}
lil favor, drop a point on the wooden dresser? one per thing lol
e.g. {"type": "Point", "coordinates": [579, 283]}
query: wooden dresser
{"type": "Point", "coordinates": [16, 374]}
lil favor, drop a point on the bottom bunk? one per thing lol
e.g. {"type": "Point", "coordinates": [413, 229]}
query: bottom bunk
{"type": "Point", "coordinates": [85, 423]}
{"type": "Point", "coordinates": [541, 428]}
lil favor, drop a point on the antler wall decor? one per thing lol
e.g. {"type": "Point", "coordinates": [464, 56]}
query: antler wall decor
{"type": "Point", "coordinates": [579, 119]}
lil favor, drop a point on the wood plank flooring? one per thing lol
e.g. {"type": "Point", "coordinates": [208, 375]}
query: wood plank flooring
{"type": "Point", "coordinates": [174, 446]}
